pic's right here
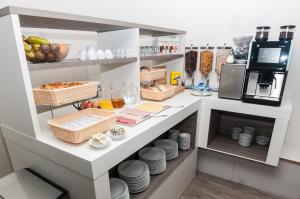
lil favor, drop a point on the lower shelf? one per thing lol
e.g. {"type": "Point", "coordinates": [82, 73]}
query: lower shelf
{"type": "Point", "coordinates": [225, 144]}
{"type": "Point", "coordinates": [157, 180]}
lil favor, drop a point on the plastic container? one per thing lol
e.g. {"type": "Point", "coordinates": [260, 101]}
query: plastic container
{"type": "Point", "coordinates": [287, 32]}
{"type": "Point", "coordinates": [262, 33]}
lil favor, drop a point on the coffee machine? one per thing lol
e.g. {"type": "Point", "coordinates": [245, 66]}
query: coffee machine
{"type": "Point", "coordinates": [267, 71]}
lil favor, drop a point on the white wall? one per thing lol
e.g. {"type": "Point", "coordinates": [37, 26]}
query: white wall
{"type": "Point", "coordinates": [214, 22]}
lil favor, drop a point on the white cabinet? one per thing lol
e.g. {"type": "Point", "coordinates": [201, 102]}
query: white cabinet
{"type": "Point", "coordinates": [219, 116]}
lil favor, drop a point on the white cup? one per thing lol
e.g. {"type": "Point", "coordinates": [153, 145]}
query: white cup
{"type": "Point", "coordinates": [100, 54]}
{"type": "Point", "coordinates": [91, 53]}
{"type": "Point", "coordinates": [82, 55]}
{"type": "Point", "coordinates": [108, 54]}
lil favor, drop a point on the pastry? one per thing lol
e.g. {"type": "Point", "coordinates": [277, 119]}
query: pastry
{"type": "Point", "coordinates": [59, 85]}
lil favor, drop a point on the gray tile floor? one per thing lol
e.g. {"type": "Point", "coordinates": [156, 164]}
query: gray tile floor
{"type": "Point", "coordinates": [209, 187]}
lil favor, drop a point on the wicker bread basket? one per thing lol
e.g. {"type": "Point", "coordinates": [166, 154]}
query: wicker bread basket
{"type": "Point", "coordinates": [154, 74]}
{"type": "Point", "coordinates": [158, 95]}
{"type": "Point", "coordinates": [179, 89]}
{"type": "Point", "coordinates": [78, 136]}
{"type": "Point", "coordinates": [58, 97]}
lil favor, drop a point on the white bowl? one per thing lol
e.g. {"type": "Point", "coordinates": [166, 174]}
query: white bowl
{"type": "Point", "coordinates": [116, 137]}
{"type": "Point", "coordinates": [100, 146]}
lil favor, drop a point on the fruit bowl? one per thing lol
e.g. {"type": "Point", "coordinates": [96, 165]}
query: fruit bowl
{"type": "Point", "coordinates": [48, 53]}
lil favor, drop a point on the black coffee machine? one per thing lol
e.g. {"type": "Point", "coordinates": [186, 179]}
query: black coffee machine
{"type": "Point", "coordinates": [267, 68]}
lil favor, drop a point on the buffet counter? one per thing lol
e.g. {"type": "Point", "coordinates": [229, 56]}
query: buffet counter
{"type": "Point", "coordinates": [57, 159]}
{"type": "Point", "coordinates": [91, 162]}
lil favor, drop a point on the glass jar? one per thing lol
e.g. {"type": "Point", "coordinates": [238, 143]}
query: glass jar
{"type": "Point", "coordinates": [117, 97]}
{"type": "Point", "coordinates": [105, 99]}
{"type": "Point", "coordinates": [191, 57]}
{"type": "Point", "coordinates": [262, 33]}
{"type": "Point", "coordinates": [129, 92]}
{"type": "Point", "coordinates": [221, 56]}
{"type": "Point", "coordinates": [206, 60]}
{"type": "Point", "coordinates": [287, 32]}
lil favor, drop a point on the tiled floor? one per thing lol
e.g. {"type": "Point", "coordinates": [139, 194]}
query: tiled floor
{"type": "Point", "coordinates": [209, 187]}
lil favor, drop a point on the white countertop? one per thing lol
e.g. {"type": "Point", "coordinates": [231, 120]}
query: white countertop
{"type": "Point", "coordinates": [94, 162]}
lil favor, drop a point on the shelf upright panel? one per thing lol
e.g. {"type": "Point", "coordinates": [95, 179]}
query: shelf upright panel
{"type": "Point", "coordinates": [121, 39]}
{"type": "Point", "coordinates": [17, 107]}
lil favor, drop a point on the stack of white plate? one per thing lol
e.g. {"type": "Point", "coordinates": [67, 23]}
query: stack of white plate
{"type": "Point", "coordinates": [155, 158]}
{"type": "Point", "coordinates": [118, 189]}
{"type": "Point", "coordinates": [136, 174]}
{"type": "Point", "coordinates": [170, 147]}
{"type": "Point", "coordinates": [174, 135]}
{"type": "Point", "coordinates": [262, 140]}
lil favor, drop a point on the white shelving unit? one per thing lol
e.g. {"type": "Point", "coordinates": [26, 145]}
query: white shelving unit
{"type": "Point", "coordinates": [29, 139]}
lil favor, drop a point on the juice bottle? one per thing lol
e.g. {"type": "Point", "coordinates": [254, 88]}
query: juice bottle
{"type": "Point", "coordinates": [105, 101]}
{"type": "Point", "coordinates": [106, 104]}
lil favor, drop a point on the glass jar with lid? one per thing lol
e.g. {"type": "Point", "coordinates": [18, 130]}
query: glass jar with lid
{"type": "Point", "coordinates": [262, 33]}
{"type": "Point", "coordinates": [206, 61]}
{"type": "Point", "coordinates": [221, 56]}
{"type": "Point", "coordinates": [287, 32]}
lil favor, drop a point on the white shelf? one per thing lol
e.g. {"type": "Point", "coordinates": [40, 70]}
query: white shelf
{"type": "Point", "coordinates": [78, 63]}
{"type": "Point", "coordinates": [166, 57]}
{"type": "Point", "coordinates": [34, 18]}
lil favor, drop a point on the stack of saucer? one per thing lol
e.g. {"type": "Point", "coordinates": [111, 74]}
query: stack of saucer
{"type": "Point", "coordinates": [118, 189]}
{"type": "Point", "coordinates": [136, 174]}
{"type": "Point", "coordinates": [262, 140]}
{"type": "Point", "coordinates": [245, 139]}
{"type": "Point", "coordinates": [155, 158]}
{"type": "Point", "coordinates": [170, 147]}
{"type": "Point", "coordinates": [184, 141]}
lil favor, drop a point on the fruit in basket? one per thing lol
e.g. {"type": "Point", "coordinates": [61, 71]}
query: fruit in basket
{"type": "Point", "coordinates": [54, 48]}
{"type": "Point", "coordinates": [45, 48]}
{"type": "Point", "coordinates": [62, 52]}
{"type": "Point", "coordinates": [36, 40]}
{"type": "Point", "coordinates": [38, 49]}
{"type": "Point", "coordinates": [39, 55]}
{"type": "Point", "coordinates": [30, 55]}
{"type": "Point", "coordinates": [27, 47]}
{"type": "Point", "coordinates": [89, 104]}
{"type": "Point", "coordinates": [36, 46]}
{"type": "Point", "coordinates": [51, 57]}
